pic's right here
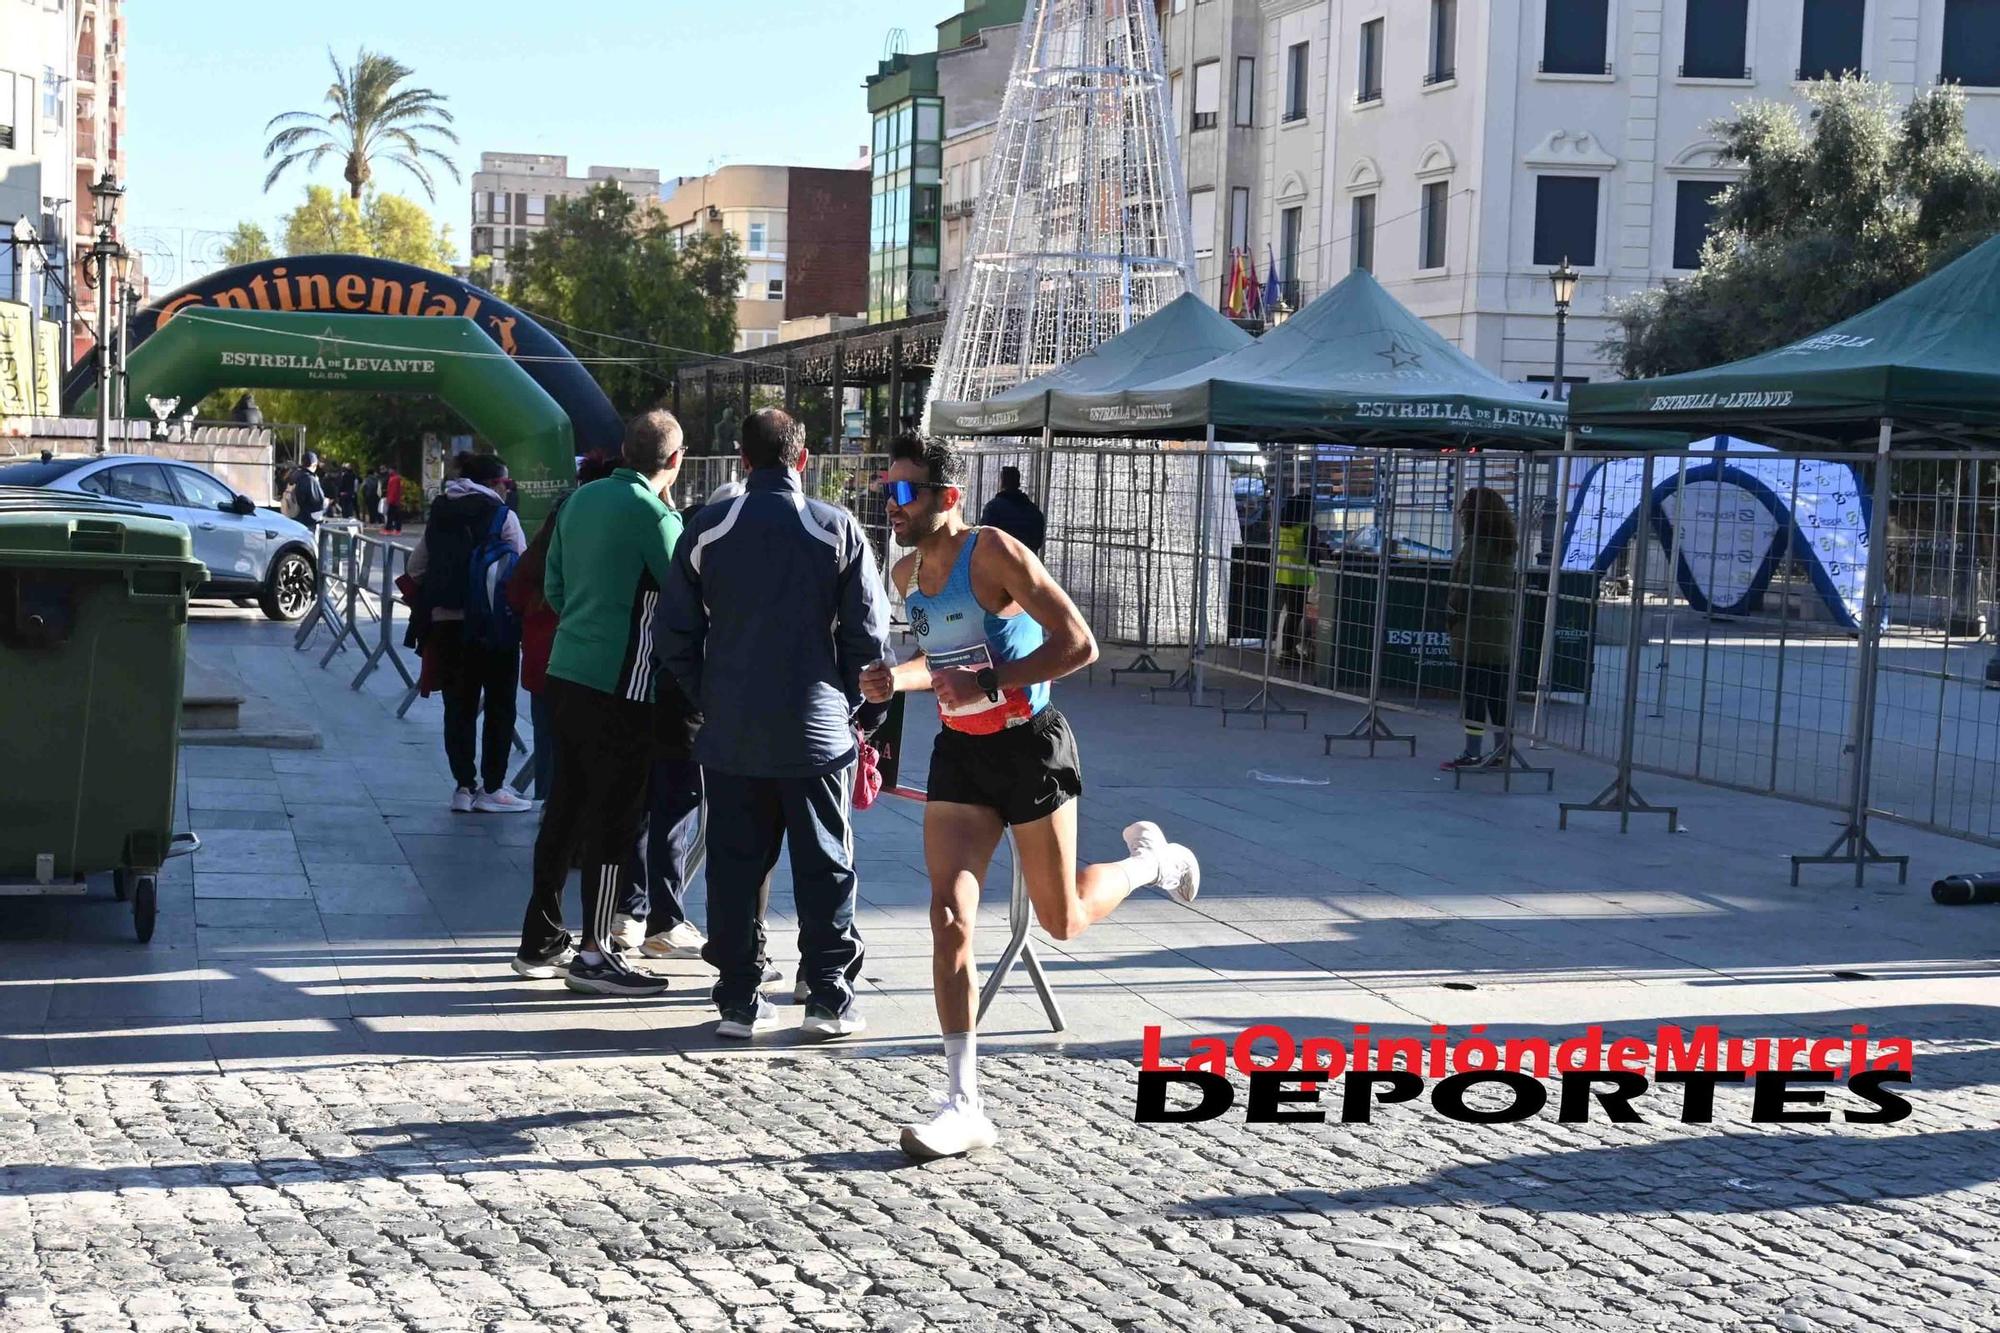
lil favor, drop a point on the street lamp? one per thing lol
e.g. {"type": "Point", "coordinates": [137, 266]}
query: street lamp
{"type": "Point", "coordinates": [1281, 313]}
{"type": "Point", "coordinates": [1563, 280]}
{"type": "Point", "coordinates": [105, 192]}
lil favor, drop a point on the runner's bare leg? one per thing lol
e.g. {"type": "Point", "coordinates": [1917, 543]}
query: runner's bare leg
{"type": "Point", "coordinates": [1068, 901]}
{"type": "Point", "coordinates": [959, 841]}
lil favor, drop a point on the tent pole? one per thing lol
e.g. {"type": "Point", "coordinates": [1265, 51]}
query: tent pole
{"type": "Point", "coordinates": [1370, 727]}
{"type": "Point", "coordinates": [1708, 621]}
{"type": "Point", "coordinates": [1189, 682]}
{"type": "Point", "coordinates": [1507, 759]}
{"type": "Point", "coordinates": [1619, 797]}
{"type": "Point", "coordinates": [1673, 579]}
{"type": "Point", "coordinates": [1545, 665]}
{"type": "Point", "coordinates": [1784, 631]}
{"type": "Point", "coordinates": [1853, 846]}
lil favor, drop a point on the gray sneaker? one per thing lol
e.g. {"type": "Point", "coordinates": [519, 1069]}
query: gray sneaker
{"type": "Point", "coordinates": [611, 975]}
{"type": "Point", "coordinates": [743, 1024]}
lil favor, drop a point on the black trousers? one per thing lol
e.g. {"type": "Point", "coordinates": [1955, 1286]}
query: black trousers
{"type": "Point", "coordinates": [591, 818]}
{"type": "Point", "coordinates": [1486, 694]}
{"type": "Point", "coordinates": [471, 675]}
{"type": "Point", "coordinates": [749, 819]}
{"type": "Point", "coordinates": [654, 885]}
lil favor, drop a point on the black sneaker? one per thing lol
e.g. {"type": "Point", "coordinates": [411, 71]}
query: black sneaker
{"type": "Point", "coordinates": [611, 975]}
{"type": "Point", "coordinates": [552, 963]}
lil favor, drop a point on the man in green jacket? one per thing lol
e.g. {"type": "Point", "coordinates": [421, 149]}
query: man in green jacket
{"type": "Point", "coordinates": [611, 551]}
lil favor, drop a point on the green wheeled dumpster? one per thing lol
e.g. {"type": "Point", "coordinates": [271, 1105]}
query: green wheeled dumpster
{"type": "Point", "coordinates": [93, 648]}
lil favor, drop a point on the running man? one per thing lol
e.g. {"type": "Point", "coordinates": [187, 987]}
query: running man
{"type": "Point", "coordinates": [993, 630]}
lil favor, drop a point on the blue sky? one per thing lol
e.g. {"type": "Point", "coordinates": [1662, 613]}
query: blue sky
{"type": "Point", "coordinates": [673, 84]}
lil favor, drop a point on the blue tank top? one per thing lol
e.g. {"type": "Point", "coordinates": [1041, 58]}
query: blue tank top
{"type": "Point", "coordinates": [954, 630]}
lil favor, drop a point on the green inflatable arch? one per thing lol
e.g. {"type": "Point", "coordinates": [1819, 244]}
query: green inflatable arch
{"type": "Point", "coordinates": [199, 351]}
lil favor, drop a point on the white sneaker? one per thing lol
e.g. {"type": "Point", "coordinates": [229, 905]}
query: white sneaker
{"type": "Point", "coordinates": [822, 1022]}
{"type": "Point", "coordinates": [683, 941]}
{"type": "Point", "coordinates": [548, 965]}
{"type": "Point", "coordinates": [801, 993]}
{"type": "Point", "coordinates": [461, 801]}
{"type": "Point", "coordinates": [743, 1024]}
{"type": "Point", "coordinates": [1180, 872]}
{"type": "Point", "coordinates": [959, 1128]}
{"type": "Point", "coordinates": [627, 933]}
{"type": "Point", "coordinates": [501, 802]}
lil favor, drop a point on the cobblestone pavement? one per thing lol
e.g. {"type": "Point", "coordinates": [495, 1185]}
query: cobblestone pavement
{"type": "Point", "coordinates": [318, 1099]}
{"type": "Point", "coordinates": [720, 1192]}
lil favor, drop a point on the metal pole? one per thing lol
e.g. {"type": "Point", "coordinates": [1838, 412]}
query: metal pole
{"type": "Point", "coordinates": [1272, 623]}
{"type": "Point", "coordinates": [1871, 640]}
{"type": "Point", "coordinates": [1635, 637]}
{"type": "Point", "coordinates": [1708, 621]}
{"type": "Point", "coordinates": [1673, 577]}
{"type": "Point", "coordinates": [103, 349]}
{"type": "Point", "coordinates": [1944, 654]}
{"type": "Point", "coordinates": [1784, 634]}
{"type": "Point", "coordinates": [1557, 390]}
{"type": "Point", "coordinates": [123, 341]}
{"type": "Point", "coordinates": [1198, 640]}
{"type": "Point", "coordinates": [1545, 667]}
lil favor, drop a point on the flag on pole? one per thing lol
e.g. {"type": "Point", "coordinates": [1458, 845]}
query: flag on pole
{"type": "Point", "coordinates": [1232, 303]}
{"type": "Point", "coordinates": [1250, 285]}
{"type": "Point", "coordinates": [1273, 293]}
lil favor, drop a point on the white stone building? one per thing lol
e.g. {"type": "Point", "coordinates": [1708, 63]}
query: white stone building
{"type": "Point", "coordinates": [1461, 148]}
{"type": "Point", "coordinates": [511, 193]}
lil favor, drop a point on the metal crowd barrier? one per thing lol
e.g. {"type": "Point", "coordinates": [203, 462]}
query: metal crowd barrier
{"type": "Point", "coordinates": [354, 578]}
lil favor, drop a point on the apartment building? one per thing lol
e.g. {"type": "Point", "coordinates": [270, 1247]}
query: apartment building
{"type": "Point", "coordinates": [511, 194]}
{"type": "Point", "coordinates": [1465, 149]}
{"type": "Point", "coordinates": [1216, 70]}
{"type": "Point", "coordinates": [818, 267]}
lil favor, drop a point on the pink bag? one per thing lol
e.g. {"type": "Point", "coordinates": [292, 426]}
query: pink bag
{"type": "Point", "coordinates": [867, 773]}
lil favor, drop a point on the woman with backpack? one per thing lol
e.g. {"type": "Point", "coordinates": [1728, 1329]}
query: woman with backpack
{"type": "Point", "coordinates": [468, 633]}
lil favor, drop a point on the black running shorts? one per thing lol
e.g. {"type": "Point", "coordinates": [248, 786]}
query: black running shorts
{"type": "Point", "coordinates": [1024, 773]}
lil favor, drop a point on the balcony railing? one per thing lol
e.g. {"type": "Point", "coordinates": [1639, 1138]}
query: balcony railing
{"type": "Point", "coordinates": [1367, 95]}
{"type": "Point", "coordinates": [1436, 76]}
{"type": "Point", "coordinates": [86, 70]}
{"type": "Point", "coordinates": [86, 143]}
{"type": "Point", "coordinates": [1543, 67]}
{"type": "Point", "coordinates": [1294, 115]}
{"type": "Point", "coordinates": [1719, 72]}
{"type": "Point", "coordinates": [1204, 120]}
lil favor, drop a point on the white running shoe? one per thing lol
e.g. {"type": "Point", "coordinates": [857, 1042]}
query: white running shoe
{"type": "Point", "coordinates": [683, 941]}
{"type": "Point", "coordinates": [1180, 872]}
{"type": "Point", "coordinates": [461, 801]}
{"type": "Point", "coordinates": [501, 802]}
{"type": "Point", "coordinates": [801, 993]}
{"type": "Point", "coordinates": [627, 933]}
{"type": "Point", "coordinates": [959, 1128]}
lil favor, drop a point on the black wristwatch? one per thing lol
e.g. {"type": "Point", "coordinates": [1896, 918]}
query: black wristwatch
{"type": "Point", "coordinates": [989, 681]}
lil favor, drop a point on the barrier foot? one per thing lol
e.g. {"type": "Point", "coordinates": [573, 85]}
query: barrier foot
{"type": "Point", "coordinates": [1853, 847]}
{"type": "Point", "coordinates": [1622, 799]}
{"type": "Point", "coordinates": [1021, 916]}
{"type": "Point", "coordinates": [1261, 702]}
{"type": "Point", "coordinates": [1504, 763]}
{"type": "Point", "coordinates": [1374, 731]}
{"type": "Point", "coordinates": [1142, 665]}
{"type": "Point", "coordinates": [1183, 684]}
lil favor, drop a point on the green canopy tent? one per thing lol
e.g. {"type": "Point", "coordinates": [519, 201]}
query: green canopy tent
{"type": "Point", "coordinates": [1181, 335]}
{"type": "Point", "coordinates": [1927, 359]}
{"type": "Point", "coordinates": [1354, 367]}
{"type": "Point", "coordinates": [1920, 370]}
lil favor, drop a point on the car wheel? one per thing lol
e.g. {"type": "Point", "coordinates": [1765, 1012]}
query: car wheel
{"type": "Point", "coordinates": [288, 587]}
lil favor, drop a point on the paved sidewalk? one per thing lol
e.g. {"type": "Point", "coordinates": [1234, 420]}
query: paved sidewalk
{"type": "Point", "coordinates": [319, 1099]}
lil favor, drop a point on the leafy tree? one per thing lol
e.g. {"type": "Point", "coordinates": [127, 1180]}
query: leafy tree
{"type": "Point", "coordinates": [386, 226]}
{"type": "Point", "coordinates": [1836, 210]}
{"type": "Point", "coordinates": [372, 119]}
{"type": "Point", "coordinates": [617, 284]}
{"type": "Point", "coordinates": [246, 245]}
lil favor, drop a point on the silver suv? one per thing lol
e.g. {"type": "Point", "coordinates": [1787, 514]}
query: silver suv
{"type": "Point", "coordinates": [250, 552]}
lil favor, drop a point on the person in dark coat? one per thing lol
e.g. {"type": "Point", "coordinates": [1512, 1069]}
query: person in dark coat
{"type": "Point", "coordinates": [1479, 612]}
{"type": "Point", "coordinates": [1014, 513]}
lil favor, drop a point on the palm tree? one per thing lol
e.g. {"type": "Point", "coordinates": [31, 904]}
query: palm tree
{"type": "Point", "coordinates": [371, 119]}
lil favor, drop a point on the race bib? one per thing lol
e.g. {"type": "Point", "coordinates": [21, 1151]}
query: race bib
{"type": "Point", "coordinates": [982, 715]}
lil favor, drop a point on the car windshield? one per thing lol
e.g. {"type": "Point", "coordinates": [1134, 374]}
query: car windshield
{"type": "Point", "coordinates": [39, 473]}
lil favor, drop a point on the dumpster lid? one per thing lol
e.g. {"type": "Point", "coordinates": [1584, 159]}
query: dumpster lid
{"type": "Point", "coordinates": [71, 527]}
